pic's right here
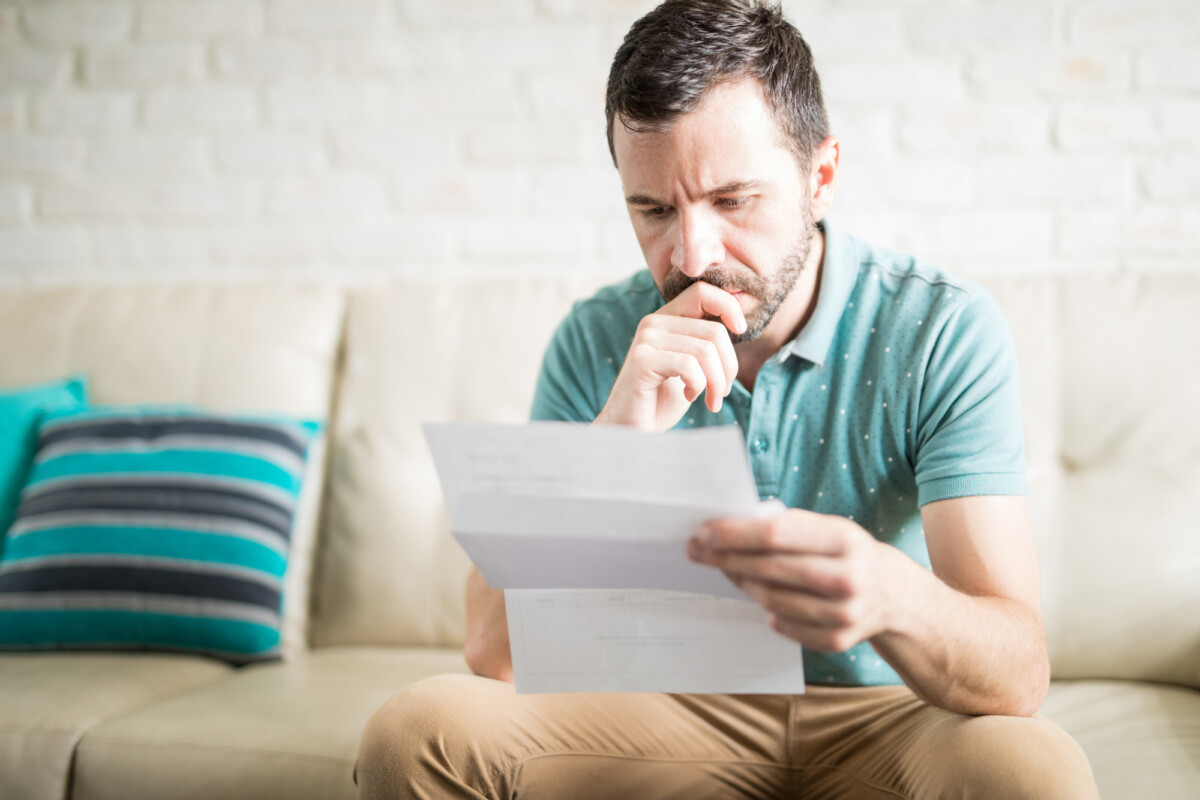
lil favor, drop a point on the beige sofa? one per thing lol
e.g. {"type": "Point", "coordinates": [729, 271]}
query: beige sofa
{"type": "Point", "coordinates": [375, 588]}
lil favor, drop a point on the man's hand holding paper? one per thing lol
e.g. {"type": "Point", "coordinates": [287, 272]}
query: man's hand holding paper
{"type": "Point", "coordinates": [817, 575]}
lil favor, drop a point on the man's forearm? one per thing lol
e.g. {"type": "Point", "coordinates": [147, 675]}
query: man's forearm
{"type": "Point", "coordinates": [971, 655]}
{"type": "Point", "coordinates": [486, 646]}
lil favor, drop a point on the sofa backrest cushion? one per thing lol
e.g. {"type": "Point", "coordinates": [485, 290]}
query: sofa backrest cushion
{"type": "Point", "coordinates": [388, 571]}
{"type": "Point", "coordinates": [1130, 543]}
{"type": "Point", "coordinates": [1113, 451]}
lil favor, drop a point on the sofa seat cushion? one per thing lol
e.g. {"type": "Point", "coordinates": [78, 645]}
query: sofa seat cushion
{"type": "Point", "coordinates": [1143, 739]}
{"type": "Point", "coordinates": [48, 701]}
{"type": "Point", "coordinates": [292, 730]}
{"type": "Point", "coordinates": [287, 729]}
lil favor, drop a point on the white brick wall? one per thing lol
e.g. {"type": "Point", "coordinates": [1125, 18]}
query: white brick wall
{"type": "Point", "coordinates": [158, 139]}
{"type": "Point", "coordinates": [185, 20]}
{"type": "Point", "coordinates": [77, 22]}
{"type": "Point", "coordinates": [142, 65]}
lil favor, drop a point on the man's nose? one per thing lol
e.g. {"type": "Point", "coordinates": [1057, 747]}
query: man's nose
{"type": "Point", "coordinates": [697, 245]}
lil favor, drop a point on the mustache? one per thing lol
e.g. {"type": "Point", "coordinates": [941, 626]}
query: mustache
{"type": "Point", "coordinates": [676, 282]}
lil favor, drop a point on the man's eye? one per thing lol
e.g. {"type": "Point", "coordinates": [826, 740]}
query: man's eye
{"type": "Point", "coordinates": [733, 202]}
{"type": "Point", "coordinates": [655, 211]}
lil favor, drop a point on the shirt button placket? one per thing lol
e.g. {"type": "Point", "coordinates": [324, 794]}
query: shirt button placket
{"type": "Point", "coordinates": [764, 428]}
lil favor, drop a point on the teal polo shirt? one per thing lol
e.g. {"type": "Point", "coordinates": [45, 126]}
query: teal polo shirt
{"type": "Point", "coordinates": [900, 390]}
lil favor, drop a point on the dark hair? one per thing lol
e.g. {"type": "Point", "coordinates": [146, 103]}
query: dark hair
{"type": "Point", "coordinates": [683, 48]}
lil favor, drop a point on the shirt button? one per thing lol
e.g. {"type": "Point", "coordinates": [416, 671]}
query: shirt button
{"type": "Point", "coordinates": [759, 446]}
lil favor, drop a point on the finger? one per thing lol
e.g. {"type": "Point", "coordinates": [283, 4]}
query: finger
{"type": "Point", "coordinates": [705, 352]}
{"type": "Point", "coordinates": [708, 330]}
{"type": "Point", "coordinates": [815, 637]}
{"type": "Point", "coordinates": [822, 576]}
{"type": "Point", "coordinates": [702, 299]}
{"type": "Point", "coordinates": [796, 531]}
{"type": "Point", "coordinates": [655, 367]}
{"type": "Point", "coordinates": [799, 608]}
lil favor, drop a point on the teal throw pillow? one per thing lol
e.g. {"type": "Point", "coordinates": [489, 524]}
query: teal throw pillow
{"type": "Point", "coordinates": [154, 528]}
{"type": "Point", "coordinates": [21, 411]}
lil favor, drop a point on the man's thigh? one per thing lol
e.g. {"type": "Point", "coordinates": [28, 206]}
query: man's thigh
{"type": "Point", "coordinates": [465, 736]}
{"type": "Point", "coordinates": [884, 741]}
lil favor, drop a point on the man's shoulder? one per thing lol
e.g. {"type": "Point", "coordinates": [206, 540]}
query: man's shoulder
{"type": "Point", "coordinates": [902, 268]}
{"type": "Point", "coordinates": [912, 283]}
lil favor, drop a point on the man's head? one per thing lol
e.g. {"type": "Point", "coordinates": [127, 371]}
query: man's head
{"type": "Point", "coordinates": [716, 125]}
{"type": "Point", "coordinates": [678, 52]}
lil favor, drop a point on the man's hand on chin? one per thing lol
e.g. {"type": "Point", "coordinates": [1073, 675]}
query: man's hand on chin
{"type": "Point", "coordinates": [676, 355]}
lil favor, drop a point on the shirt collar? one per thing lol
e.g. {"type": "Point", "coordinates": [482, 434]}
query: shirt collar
{"type": "Point", "coordinates": [839, 274]}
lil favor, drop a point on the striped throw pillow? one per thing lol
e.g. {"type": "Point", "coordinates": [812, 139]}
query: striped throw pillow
{"type": "Point", "coordinates": [154, 528]}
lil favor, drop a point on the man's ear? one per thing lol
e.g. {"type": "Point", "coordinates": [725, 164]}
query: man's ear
{"type": "Point", "coordinates": [823, 178]}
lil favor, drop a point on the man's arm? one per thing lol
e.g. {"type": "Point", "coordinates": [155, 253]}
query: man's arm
{"type": "Point", "coordinates": [486, 647]}
{"type": "Point", "coordinates": [967, 637]}
{"type": "Point", "coordinates": [970, 637]}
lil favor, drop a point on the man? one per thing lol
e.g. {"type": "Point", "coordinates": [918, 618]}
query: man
{"type": "Point", "coordinates": [880, 402]}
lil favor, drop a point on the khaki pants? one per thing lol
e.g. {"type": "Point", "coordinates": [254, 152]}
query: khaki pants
{"type": "Point", "coordinates": [459, 736]}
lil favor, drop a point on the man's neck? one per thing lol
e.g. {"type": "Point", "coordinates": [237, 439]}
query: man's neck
{"type": "Point", "coordinates": [791, 317]}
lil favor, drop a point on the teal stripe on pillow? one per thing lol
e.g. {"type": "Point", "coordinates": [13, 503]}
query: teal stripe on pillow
{"type": "Point", "coordinates": [261, 554]}
{"type": "Point", "coordinates": [155, 528]}
{"type": "Point", "coordinates": [193, 462]}
{"type": "Point", "coordinates": [112, 629]}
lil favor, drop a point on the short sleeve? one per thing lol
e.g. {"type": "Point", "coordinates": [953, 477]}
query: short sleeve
{"type": "Point", "coordinates": [969, 438]}
{"type": "Point", "coordinates": [566, 386]}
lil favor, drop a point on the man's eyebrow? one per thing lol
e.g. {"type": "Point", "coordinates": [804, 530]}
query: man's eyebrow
{"type": "Point", "coordinates": [733, 187]}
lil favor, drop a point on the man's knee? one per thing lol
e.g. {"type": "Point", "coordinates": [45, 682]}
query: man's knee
{"type": "Point", "coordinates": [428, 736]}
{"type": "Point", "coordinates": [1013, 757]}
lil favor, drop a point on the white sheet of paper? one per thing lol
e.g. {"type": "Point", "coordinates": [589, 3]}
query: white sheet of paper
{"type": "Point", "coordinates": [560, 505]}
{"type": "Point", "coordinates": [585, 528]}
{"type": "Point", "coordinates": [646, 641]}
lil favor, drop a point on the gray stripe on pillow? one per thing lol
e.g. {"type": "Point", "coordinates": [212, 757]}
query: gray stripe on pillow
{"type": "Point", "coordinates": [285, 436]}
{"type": "Point", "coordinates": [143, 562]}
{"type": "Point", "coordinates": [223, 526]}
{"type": "Point", "coordinates": [131, 601]}
{"type": "Point", "coordinates": [266, 492]}
{"type": "Point", "coordinates": [148, 580]}
{"type": "Point", "coordinates": [150, 499]}
{"type": "Point", "coordinates": [170, 492]}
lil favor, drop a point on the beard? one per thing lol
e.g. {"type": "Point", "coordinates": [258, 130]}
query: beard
{"type": "Point", "coordinates": [770, 290]}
